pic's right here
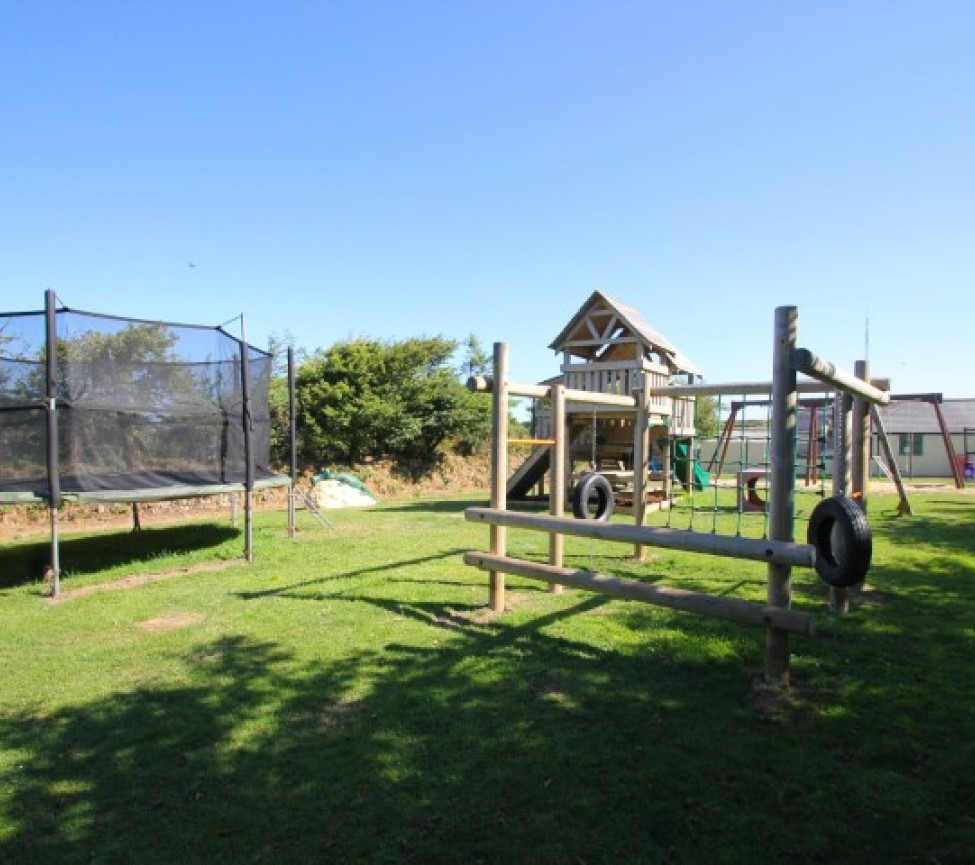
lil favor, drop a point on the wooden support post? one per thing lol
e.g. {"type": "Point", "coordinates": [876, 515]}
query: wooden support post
{"type": "Point", "coordinates": [556, 501]}
{"type": "Point", "coordinates": [781, 487]}
{"type": "Point", "coordinates": [860, 445]}
{"type": "Point", "coordinates": [904, 507]}
{"type": "Point", "coordinates": [839, 600]}
{"type": "Point", "coordinates": [667, 490]}
{"type": "Point", "coordinates": [812, 448]}
{"type": "Point", "coordinates": [641, 459]}
{"type": "Point", "coordinates": [499, 468]}
{"type": "Point", "coordinates": [956, 471]}
{"type": "Point", "coordinates": [841, 444]}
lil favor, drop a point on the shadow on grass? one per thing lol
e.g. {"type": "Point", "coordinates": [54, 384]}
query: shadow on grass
{"type": "Point", "coordinates": [587, 731]}
{"type": "Point", "coordinates": [433, 506]}
{"type": "Point", "coordinates": [291, 591]}
{"type": "Point", "coordinates": [510, 743]}
{"type": "Point", "coordinates": [457, 506]}
{"type": "Point", "coordinates": [24, 563]}
{"type": "Point", "coordinates": [922, 531]}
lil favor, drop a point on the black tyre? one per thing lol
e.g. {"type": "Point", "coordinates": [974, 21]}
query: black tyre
{"type": "Point", "coordinates": [839, 531]}
{"type": "Point", "coordinates": [592, 488]}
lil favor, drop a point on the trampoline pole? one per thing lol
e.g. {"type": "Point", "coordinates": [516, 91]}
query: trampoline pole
{"type": "Point", "coordinates": [55, 554]}
{"type": "Point", "coordinates": [292, 441]}
{"type": "Point", "coordinates": [53, 463]}
{"type": "Point", "coordinates": [245, 381]}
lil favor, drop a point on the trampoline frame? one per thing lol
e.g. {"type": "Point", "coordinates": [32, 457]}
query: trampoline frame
{"type": "Point", "coordinates": [181, 484]}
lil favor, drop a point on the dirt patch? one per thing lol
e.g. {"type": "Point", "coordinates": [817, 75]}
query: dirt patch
{"type": "Point", "coordinates": [171, 623]}
{"type": "Point", "coordinates": [482, 615]}
{"type": "Point", "coordinates": [142, 580]}
{"type": "Point", "coordinates": [452, 475]}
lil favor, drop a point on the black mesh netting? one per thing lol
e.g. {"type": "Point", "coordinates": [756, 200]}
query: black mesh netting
{"type": "Point", "coordinates": [141, 405]}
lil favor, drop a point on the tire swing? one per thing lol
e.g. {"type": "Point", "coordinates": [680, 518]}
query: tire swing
{"type": "Point", "coordinates": [592, 486]}
{"type": "Point", "coordinates": [839, 531]}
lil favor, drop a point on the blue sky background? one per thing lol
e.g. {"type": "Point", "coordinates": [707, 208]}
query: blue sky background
{"type": "Point", "coordinates": [393, 169]}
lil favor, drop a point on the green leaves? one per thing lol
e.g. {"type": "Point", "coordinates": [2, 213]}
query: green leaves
{"type": "Point", "coordinates": [366, 398]}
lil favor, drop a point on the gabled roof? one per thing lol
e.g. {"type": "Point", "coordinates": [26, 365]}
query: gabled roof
{"type": "Point", "coordinates": [910, 416]}
{"type": "Point", "coordinates": [603, 306]}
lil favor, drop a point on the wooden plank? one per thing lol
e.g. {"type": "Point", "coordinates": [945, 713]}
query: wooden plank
{"type": "Point", "coordinates": [755, 549]}
{"type": "Point", "coordinates": [499, 468]}
{"type": "Point", "coordinates": [842, 476]}
{"type": "Point", "coordinates": [804, 361]}
{"type": "Point", "coordinates": [485, 384]}
{"type": "Point", "coordinates": [556, 501]}
{"type": "Point", "coordinates": [741, 388]}
{"type": "Point", "coordinates": [641, 460]}
{"type": "Point", "coordinates": [860, 453]}
{"type": "Point", "coordinates": [782, 483]}
{"type": "Point", "coordinates": [599, 365]}
{"type": "Point", "coordinates": [894, 470]}
{"type": "Point", "coordinates": [715, 606]}
{"type": "Point", "coordinates": [595, 343]}
{"type": "Point", "coordinates": [610, 327]}
{"type": "Point", "coordinates": [956, 470]}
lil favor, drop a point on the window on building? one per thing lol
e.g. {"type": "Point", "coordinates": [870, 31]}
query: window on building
{"type": "Point", "coordinates": [910, 444]}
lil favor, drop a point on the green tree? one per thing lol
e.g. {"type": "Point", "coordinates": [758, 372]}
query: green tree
{"type": "Point", "coordinates": [474, 360]}
{"type": "Point", "coordinates": [367, 398]}
{"type": "Point", "coordinates": [706, 418]}
{"type": "Point", "coordinates": [278, 396]}
{"type": "Point", "coordinates": [125, 387]}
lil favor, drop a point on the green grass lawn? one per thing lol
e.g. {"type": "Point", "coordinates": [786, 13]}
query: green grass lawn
{"type": "Point", "coordinates": [346, 698]}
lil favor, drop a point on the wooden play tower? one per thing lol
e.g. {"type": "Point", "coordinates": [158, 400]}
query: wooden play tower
{"type": "Point", "coordinates": [608, 347]}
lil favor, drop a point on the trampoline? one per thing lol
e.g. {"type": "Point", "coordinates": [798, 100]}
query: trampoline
{"type": "Point", "coordinates": [99, 408]}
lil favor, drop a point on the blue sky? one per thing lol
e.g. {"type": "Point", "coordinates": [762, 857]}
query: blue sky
{"type": "Point", "coordinates": [394, 169]}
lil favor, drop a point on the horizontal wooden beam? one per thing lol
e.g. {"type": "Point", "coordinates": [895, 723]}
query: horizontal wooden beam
{"type": "Point", "coordinates": [804, 361]}
{"type": "Point", "coordinates": [746, 388]}
{"type": "Point", "coordinates": [742, 388]}
{"type": "Point", "coordinates": [597, 342]}
{"type": "Point", "coordinates": [754, 549]}
{"type": "Point", "coordinates": [733, 609]}
{"type": "Point", "coordinates": [484, 384]}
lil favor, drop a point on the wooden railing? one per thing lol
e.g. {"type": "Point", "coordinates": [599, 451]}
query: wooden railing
{"type": "Point", "coordinates": [625, 378]}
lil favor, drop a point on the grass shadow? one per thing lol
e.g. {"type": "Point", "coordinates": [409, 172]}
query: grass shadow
{"type": "Point", "coordinates": [507, 742]}
{"type": "Point", "coordinates": [22, 563]}
{"type": "Point", "coordinates": [290, 590]}
{"type": "Point", "coordinates": [432, 506]}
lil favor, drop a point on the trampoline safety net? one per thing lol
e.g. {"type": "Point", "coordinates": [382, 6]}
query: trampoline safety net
{"type": "Point", "coordinates": [144, 409]}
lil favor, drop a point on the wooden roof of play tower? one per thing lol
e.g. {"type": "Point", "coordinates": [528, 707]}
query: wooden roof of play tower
{"type": "Point", "coordinates": [604, 328]}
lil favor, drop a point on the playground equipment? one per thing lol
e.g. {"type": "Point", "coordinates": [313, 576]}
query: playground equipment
{"type": "Point", "coordinates": [607, 347]}
{"type": "Point", "coordinates": [838, 547]}
{"type": "Point", "coordinates": [98, 408]}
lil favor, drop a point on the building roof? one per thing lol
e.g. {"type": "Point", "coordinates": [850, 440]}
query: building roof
{"type": "Point", "coordinates": [916, 416]}
{"type": "Point", "coordinates": [617, 313]}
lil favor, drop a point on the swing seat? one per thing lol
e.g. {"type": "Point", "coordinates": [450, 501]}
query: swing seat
{"type": "Point", "coordinates": [748, 498]}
